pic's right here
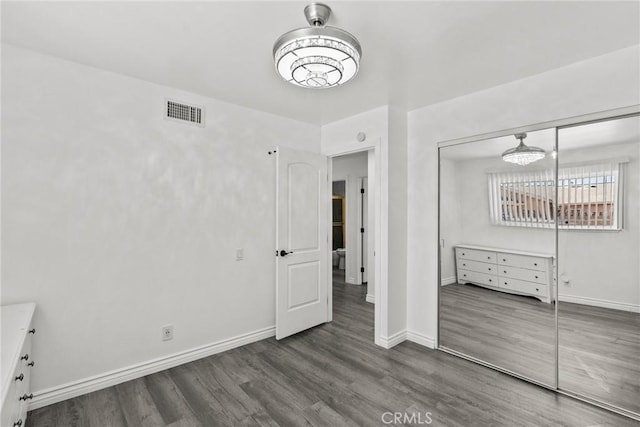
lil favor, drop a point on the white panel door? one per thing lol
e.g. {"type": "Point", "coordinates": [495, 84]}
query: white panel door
{"type": "Point", "coordinates": [302, 205]}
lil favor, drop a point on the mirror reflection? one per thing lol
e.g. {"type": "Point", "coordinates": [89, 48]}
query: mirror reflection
{"type": "Point", "coordinates": [497, 231]}
{"type": "Point", "coordinates": [598, 251]}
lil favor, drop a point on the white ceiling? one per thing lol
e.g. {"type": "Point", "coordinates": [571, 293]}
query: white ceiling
{"type": "Point", "coordinates": [414, 53]}
{"type": "Point", "coordinates": [610, 132]}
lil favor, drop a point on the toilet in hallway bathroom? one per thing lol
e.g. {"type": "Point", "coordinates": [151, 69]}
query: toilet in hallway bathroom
{"type": "Point", "coordinates": [341, 252]}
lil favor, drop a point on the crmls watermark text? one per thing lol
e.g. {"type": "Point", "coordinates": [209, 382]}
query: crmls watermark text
{"type": "Point", "coordinates": [406, 418]}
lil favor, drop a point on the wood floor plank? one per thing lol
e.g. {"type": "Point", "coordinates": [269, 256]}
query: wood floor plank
{"type": "Point", "coordinates": [103, 409]}
{"type": "Point", "coordinates": [171, 404]}
{"type": "Point", "coordinates": [331, 375]}
{"type": "Point", "coordinates": [599, 351]}
{"type": "Point", "coordinates": [137, 404]}
{"type": "Point", "coordinates": [201, 397]}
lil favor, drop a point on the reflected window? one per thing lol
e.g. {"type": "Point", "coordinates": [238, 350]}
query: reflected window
{"type": "Point", "coordinates": [589, 197]}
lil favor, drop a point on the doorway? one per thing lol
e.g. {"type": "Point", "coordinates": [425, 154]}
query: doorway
{"type": "Point", "coordinates": [351, 237]}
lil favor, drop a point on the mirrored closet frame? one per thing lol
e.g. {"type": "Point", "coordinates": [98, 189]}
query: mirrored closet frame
{"type": "Point", "coordinates": [557, 125]}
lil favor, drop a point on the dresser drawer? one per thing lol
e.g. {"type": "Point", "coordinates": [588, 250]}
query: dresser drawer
{"type": "Point", "coordinates": [481, 267]}
{"type": "Point", "coordinates": [474, 276]}
{"type": "Point", "coordinates": [16, 362]}
{"type": "Point", "coordinates": [522, 274]}
{"type": "Point", "coordinates": [524, 287]}
{"type": "Point", "coordinates": [476, 255]}
{"type": "Point", "coordinates": [10, 406]}
{"type": "Point", "coordinates": [522, 261]}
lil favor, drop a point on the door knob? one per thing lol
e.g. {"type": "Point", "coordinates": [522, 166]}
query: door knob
{"type": "Point", "coordinates": [285, 253]}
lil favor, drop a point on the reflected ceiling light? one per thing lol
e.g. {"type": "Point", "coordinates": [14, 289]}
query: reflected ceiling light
{"type": "Point", "coordinates": [317, 56]}
{"type": "Point", "coordinates": [523, 154]}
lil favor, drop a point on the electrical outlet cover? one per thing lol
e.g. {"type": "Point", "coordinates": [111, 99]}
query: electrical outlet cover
{"type": "Point", "coordinates": [167, 332]}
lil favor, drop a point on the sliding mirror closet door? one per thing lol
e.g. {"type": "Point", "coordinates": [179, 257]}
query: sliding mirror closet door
{"type": "Point", "coordinates": [497, 254]}
{"type": "Point", "coordinates": [599, 258]}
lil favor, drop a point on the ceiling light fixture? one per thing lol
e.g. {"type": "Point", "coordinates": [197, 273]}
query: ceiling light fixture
{"type": "Point", "coordinates": [523, 154]}
{"type": "Point", "coordinates": [317, 56]}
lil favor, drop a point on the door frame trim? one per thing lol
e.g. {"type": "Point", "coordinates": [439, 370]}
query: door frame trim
{"type": "Point", "coordinates": [377, 177]}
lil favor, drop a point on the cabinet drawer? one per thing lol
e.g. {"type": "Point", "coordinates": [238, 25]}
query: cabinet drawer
{"type": "Point", "coordinates": [524, 287]}
{"type": "Point", "coordinates": [474, 276]}
{"type": "Point", "coordinates": [522, 261]}
{"type": "Point", "coordinates": [481, 267]}
{"type": "Point", "coordinates": [11, 406]}
{"type": "Point", "coordinates": [522, 274]}
{"type": "Point", "coordinates": [476, 255]}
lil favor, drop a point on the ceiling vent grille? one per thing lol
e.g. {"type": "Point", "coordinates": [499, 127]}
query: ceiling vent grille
{"type": "Point", "coordinates": [184, 113]}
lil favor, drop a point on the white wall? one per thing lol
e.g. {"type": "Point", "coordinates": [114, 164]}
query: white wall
{"type": "Point", "coordinates": [603, 268]}
{"type": "Point", "coordinates": [397, 221]}
{"type": "Point", "coordinates": [386, 129]}
{"type": "Point", "coordinates": [602, 83]}
{"type": "Point", "coordinates": [117, 222]}
{"type": "Point", "coordinates": [350, 168]}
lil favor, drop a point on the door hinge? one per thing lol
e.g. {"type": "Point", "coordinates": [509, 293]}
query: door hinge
{"type": "Point", "coordinates": [362, 230]}
{"type": "Point", "coordinates": [276, 252]}
{"type": "Point", "coordinates": [362, 191]}
{"type": "Point", "coordinates": [361, 269]}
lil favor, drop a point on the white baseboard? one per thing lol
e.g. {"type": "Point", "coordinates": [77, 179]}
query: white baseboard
{"type": "Point", "coordinates": [87, 385]}
{"type": "Point", "coordinates": [393, 340]}
{"type": "Point", "coordinates": [421, 339]}
{"type": "Point", "coordinates": [371, 298]}
{"type": "Point", "coordinates": [634, 308]}
{"type": "Point", "coordinates": [448, 280]}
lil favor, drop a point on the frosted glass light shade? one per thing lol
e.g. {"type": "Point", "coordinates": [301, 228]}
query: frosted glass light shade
{"type": "Point", "coordinates": [523, 154]}
{"type": "Point", "coordinates": [317, 57]}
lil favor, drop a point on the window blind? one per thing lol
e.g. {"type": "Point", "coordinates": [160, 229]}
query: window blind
{"type": "Point", "coordinates": [589, 196]}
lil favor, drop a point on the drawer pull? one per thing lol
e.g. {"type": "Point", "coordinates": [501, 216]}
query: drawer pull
{"type": "Point", "coordinates": [25, 357]}
{"type": "Point", "coordinates": [488, 257]}
{"type": "Point", "coordinates": [462, 253]}
{"type": "Point", "coordinates": [20, 377]}
{"type": "Point", "coordinates": [25, 397]}
{"type": "Point", "coordinates": [490, 280]}
{"type": "Point", "coordinates": [536, 277]}
{"type": "Point", "coordinates": [18, 423]}
{"type": "Point", "coordinates": [505, 271]}
{"type": "Point", "coordinates": [32, 331]}
{"type": "Point", "coordinates": [32, 363]}
{"type": "Point", "coordinates": [464, 265]}
{"type": "Point", "coordinates": [489, 268]}
{"type": "Point", "coordinates": [505, 283]}
{"type": "Point", "coordinates": [535, 264]}
{"type": "Point", "coordinates": [464, 275]}
{"type": "Point", "coordinates": [537, 289]}
{"type": "Point", "coordinates": [504, 260]}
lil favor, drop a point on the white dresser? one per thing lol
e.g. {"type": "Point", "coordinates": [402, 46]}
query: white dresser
{"type": "Point", "coordinates": [16, 362]}
{"type": "Point", "coordinates": [516, 272]}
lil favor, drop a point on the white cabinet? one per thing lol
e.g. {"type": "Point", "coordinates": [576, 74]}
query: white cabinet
{"type": "Point", "coordinates": [17, 362]}
{"type": "Point", "coordinates": [516, 272]}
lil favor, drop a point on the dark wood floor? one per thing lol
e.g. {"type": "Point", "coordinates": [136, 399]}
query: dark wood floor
{"type": "Point", "coordinates": [331, 375]}
{"type": "Point", "coordinates": [599, 351]}
{"type": "Point", "coordinates": [511, 331]}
